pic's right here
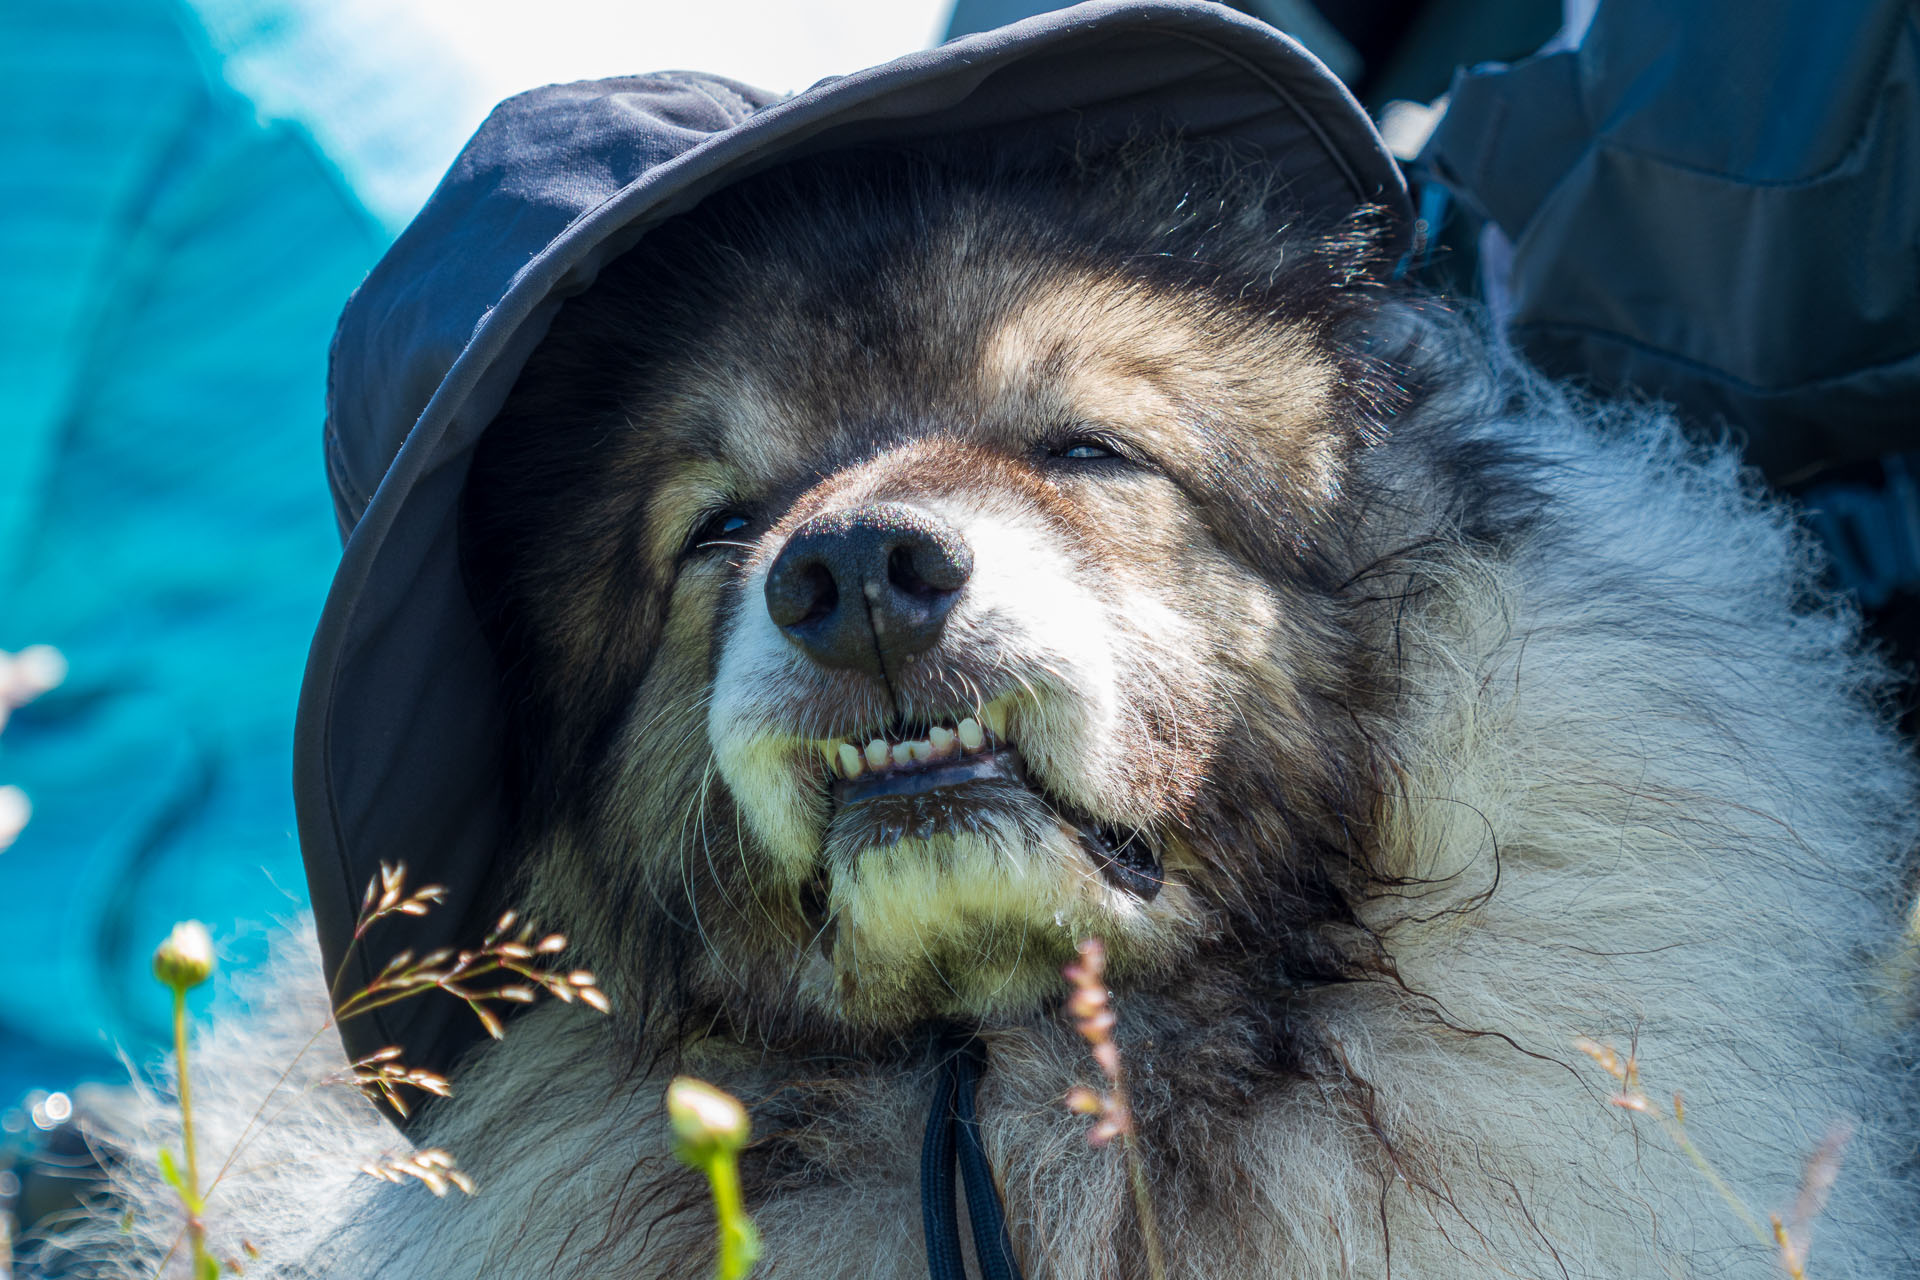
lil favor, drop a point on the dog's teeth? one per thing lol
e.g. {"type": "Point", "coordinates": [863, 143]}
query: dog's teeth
{"type": "Point", "coordinates": [902, 754]}
{"type": "Point", "coordinates": [877, 753]}
{"type": "Point", "coordinates": [850, 762]}
{"type": "Point", "coordinates": [995, 714]}
{"type": "Point", "coordinates": [941, 739]}
{"type": "Point", "coordinates": [922, 750]}
{"type": "Point", "coordinates": [970, 736]}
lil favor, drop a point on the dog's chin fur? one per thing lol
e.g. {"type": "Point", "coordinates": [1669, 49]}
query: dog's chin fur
{"type": "Point", "coordinates": [1552, 735]}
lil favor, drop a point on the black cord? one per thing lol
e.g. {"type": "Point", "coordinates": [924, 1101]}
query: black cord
{"type": "Point", "coordinates": [987, 1215]}
{"type": "Point", "coordinates": [953, 1130]}
{"type": "Point", "coordinates": [939, 1214]}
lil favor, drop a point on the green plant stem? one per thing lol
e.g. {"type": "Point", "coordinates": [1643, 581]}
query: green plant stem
{"type": "Point", "coordinates": [186, 1090]}
{"type": "Point", "coordinates": [203, 1262]}
{"type": "Point", "coordinates": [739, 1243]}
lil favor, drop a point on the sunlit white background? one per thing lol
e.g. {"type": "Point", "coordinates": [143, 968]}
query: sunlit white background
{"type": "Point", "coordinates": [391, 88]}
{"type": "Point", "coordinates": [776, 44]}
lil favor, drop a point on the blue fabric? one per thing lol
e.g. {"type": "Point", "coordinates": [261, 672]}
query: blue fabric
{"type": "Point", "coordinates": [175, 265]}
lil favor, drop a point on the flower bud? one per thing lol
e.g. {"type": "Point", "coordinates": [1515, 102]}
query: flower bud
{"type": "Point", "coordinates": [185, 959]}
{"type": "Point", "coordinates": [705, 1120]}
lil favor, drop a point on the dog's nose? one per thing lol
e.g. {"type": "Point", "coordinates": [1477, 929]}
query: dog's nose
{"type": "Point", "coordinates": [865, 589]}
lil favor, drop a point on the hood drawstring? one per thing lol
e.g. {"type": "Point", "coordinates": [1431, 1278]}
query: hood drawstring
{"type": "Point", "coordinates": [951, 1125]}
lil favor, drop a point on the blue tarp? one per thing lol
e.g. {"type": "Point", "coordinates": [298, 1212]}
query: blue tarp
{"type": "Point", "coordinates": [175, 264]}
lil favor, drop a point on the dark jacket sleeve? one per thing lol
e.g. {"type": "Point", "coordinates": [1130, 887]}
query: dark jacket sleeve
{"type": "Point", "coordinates": [1716, 203]}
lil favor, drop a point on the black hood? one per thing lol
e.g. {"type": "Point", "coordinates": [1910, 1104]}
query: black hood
{"type": "Point", "coordinates": [399, 744]}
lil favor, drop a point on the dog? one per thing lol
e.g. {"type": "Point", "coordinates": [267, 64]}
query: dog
{"type": "Point", "coordinates": [909, 564]}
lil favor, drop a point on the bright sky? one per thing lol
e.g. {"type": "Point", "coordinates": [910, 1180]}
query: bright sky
{"type": "Point", "coordinates": [783, 45]}
{"type": "Point", "coordinates": [392, 88]}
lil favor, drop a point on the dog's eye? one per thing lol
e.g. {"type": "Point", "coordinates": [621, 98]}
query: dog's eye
{"type": "Point", "coordinates": [1084, 448]}
{"type": "Point", "coordinates": [717, 528]}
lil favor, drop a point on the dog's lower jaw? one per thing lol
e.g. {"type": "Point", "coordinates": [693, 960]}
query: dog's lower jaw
{"type": "Point", "coordinates": [974, 924]}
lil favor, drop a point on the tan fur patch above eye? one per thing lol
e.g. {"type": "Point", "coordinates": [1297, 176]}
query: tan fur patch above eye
{"type": "Point", "coordinates": [764, 437]}
{"type": "Point", "coordinates": [1153, 364]}
{"type": "Point", "coordinates": [681, 499]}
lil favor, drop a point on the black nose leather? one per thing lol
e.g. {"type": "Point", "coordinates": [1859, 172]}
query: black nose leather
{"type": "Point", "coordinates": [865, 589]}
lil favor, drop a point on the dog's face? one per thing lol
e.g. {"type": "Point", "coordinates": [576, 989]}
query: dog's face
{"type": "Point", "coordinates": [895, 600]}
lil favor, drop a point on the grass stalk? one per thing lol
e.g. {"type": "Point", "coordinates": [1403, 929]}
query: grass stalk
{"type": "Point", "coordinates": [1787, 1236]}
{"type": "Point", "coordinates": [1143, 1209]}
{"type": "Point", "coordinates": [1091, 1007]}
